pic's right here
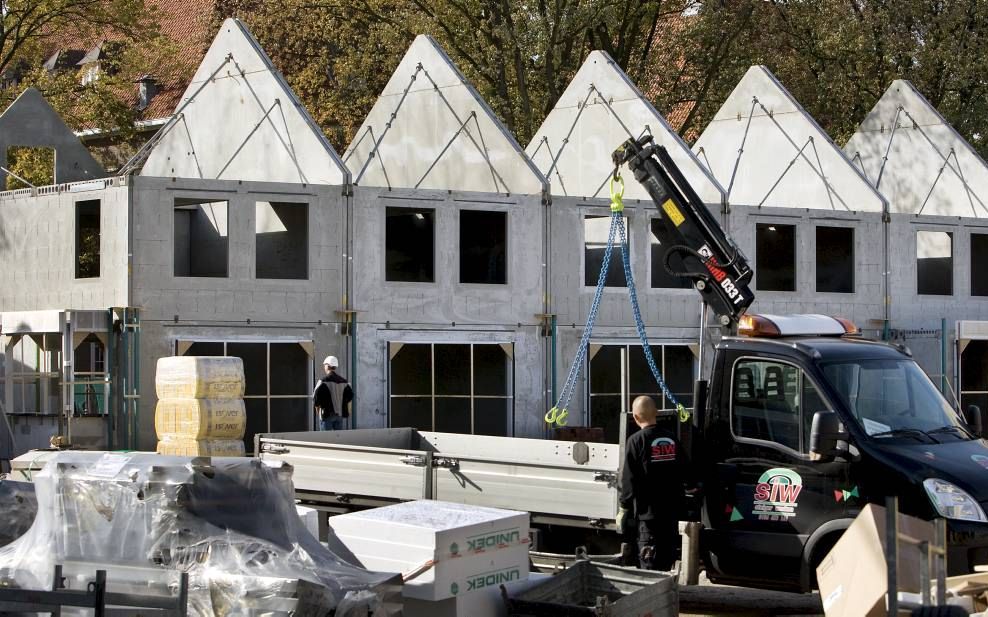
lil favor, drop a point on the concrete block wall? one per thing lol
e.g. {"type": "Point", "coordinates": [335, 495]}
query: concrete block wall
{"type": "Point", "coordinates": [37, 250]}
{"type": "Point", "coordinates": [916, 317]}
{"type": "Point", "coordinates": [864, 306]}
{"type": "Point", "coordinates": [446, 311]}
{"type": "Point", "coordinates": [239, 307]}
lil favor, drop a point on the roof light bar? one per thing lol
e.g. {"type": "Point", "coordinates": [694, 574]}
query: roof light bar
{"type": "Point", "coordinates": [769, 326]}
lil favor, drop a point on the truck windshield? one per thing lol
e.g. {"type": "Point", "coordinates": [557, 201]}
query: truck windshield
{"type": "Point", "coordinates": [893, 398]}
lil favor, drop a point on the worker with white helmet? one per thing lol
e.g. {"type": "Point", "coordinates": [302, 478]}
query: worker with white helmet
{"type": "Point", "coordinates": [332, 397]}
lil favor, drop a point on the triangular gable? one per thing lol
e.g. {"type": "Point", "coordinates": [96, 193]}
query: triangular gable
{"type": "Point", "coordinates": [600, 109]}
{"type": "Point", "coordinates": [930, 168]}
{"type": "Point", "coordinates": [430, 129]}
{"type": "Point", "coordinates": [31, 122]}
{"type": "Point", "coordinates": [239, 119]}
{"type": "Point", "coordinates": [765, 150]}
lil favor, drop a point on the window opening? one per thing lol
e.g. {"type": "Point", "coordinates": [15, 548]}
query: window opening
{"type": "Point", "coordinates": [483, 242]}
{"type": "Point", "coordinates": [87, 239]}
{"type": "Point", "coordinates": [835, 259]}
{"type": "Point", "coordinates": [595, 231]}
{"type": "Point", "coordinates": [410, 245]}
{"type": "Point", "coordinates": [201, 238]}
{"type": "Point", "coordinates": [979, 264]}
{"type": "Point", "coordinates": [935, 263]}
{"type": "Point", "coordinates": [775, 255]}
{"type": "Point", "coordinates": [281, 240]}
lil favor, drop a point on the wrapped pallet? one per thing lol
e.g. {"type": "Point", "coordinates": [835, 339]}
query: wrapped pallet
{"type": "Point", "coordinates": [209, 377]}
{"type": "Point", "coordinates": [200, 409]}
{"type": "Point", "coordinates": [199, 418]}
{"type": "Point", "coordinates": [177, 445]}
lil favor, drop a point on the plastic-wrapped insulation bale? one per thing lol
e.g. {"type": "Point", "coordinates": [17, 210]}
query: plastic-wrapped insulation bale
{"type": "Point", "coordinates": [231, 524]}
{"type": "Point", "coordinates": [18, 508]}
{"type": "Point", "coordinates": [199, 377]}
{"type": "Point", "coordinates": [200, 418]}
{"type": "Point", "coordinates": [171, 445]}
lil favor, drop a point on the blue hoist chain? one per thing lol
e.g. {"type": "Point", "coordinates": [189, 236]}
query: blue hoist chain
{"type": "Point", "coordinates": [559, 413]}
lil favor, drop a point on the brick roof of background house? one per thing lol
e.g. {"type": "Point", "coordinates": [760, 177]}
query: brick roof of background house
{"type": "Point", "coordinates": [189, 23]}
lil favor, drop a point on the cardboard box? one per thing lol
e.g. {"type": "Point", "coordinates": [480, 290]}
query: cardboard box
{"type": "Point", "coordinates": [853, 577]}
{"type": "Point", "coordinates": [472, 547]}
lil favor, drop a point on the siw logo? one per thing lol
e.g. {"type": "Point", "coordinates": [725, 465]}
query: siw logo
{"type": "Point", "coordinates": [777, 494]}
{"type": "Point", "coordinates": [663, 449]}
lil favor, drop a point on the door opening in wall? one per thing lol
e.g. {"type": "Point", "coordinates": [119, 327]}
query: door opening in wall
{"type": "Point", "coordinates": [453, 388]}
{"type": "Point", "coordinates": [619, 374]}
{"type": "Point", "coordinates": [279, 382]}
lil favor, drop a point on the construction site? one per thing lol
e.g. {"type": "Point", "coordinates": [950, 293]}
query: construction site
{"type": "Point", "coordinates": [810, 320]}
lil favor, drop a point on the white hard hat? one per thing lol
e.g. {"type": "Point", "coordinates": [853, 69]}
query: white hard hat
{"type": "Point", "coordinates": [332, 361]}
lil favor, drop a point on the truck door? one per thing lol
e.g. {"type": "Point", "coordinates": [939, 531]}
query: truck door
{"type": "Point", "coordinates": [769, 496]}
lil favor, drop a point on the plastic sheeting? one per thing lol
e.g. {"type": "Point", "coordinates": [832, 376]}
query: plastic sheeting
{"type": "Point", "coordinates": [230, 523]}
{"type": "Point", "coordinates": [17, 509]}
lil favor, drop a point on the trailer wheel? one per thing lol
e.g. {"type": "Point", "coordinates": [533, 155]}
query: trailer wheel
{"type": "Point", "coordinates": [939, 611]}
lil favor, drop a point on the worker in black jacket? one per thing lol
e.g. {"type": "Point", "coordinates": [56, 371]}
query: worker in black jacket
{"type": "Point", "coordinates": [332, 397]}
{"type": "Point", "coordinates": [652, 488]}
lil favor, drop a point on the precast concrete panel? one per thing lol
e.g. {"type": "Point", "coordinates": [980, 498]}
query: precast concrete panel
{"type": "Point", "coordinates": [765, 150]}
{"type": "Point", "coordinates": [240, 295]}
{"type": "Point", "coordinates": [917, 159]}
{"type": "Point", "coordinates": [430, 129]}
{"type": "Point", "coordinates": [599, 110]}
{"type": "Point", "coordinates": [31, 122]}
{"type": "Point", "coordinates": [238, 119]}
{"type": "Point", "coordinates": [864, 306]}
{"type": "Point", "coordinates": [38, 248]}
{"type": "Point", "coordinates": [447, 311]}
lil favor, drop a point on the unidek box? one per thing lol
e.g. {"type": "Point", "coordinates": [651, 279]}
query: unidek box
{"type": "Point", "coordinates": [471, 547]}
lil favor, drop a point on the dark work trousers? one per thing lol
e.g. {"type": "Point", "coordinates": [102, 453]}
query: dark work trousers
{"type": "Point", "coordinates": [658, 540]}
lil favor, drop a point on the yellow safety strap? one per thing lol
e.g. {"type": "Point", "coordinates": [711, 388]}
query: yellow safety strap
{"type": "Point", "coordinates": [617, 204]}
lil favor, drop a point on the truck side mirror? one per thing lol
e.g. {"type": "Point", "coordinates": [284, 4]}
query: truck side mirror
{"type": "Point", "coordinates": [825, 433]}
{"type": "Point", "coordinates": [975, 419]}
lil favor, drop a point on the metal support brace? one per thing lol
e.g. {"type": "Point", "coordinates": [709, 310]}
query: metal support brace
{"type": "Point", "coordinates": [387, 127]}
{"type": "Point", "coordinates": [545, 142]}
{"type": "Point", "coordinates": [946, 161]}
{"type": "Point", "coordinates": [888, 148]}
{"type": "Point", "coordinates": [483, 150]}
{"type": "Point", "coordinates": [12, 174]}
{"type": "Point", "coordinates": [819, 172]}
{"type": "Point", "coordinates": [744, 140]}
{"type": "Point", "coordinates": [473, 115]}
{"type": "Point", "coordinates": [145, 150]}
{"type": "Point", "coordinates": [288, 148]}
{"type": "Point", "coordinates": [277, 103]}
{"type": "Point", "coordinates": [562, 146]}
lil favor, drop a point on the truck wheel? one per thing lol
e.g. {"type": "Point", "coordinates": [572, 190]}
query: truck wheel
{"type": "Point", "coordinates": [939, 611]}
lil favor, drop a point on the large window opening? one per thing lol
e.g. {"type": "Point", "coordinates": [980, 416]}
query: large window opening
{"type": "Point", "coordinates": [32, 374]}
{"type": "Point", "coordinates": [595, 231]}
{"type": "Point", "coordinates": [410, 245]}
{"type": "Point", "coordinates": [483, 245]}
{"type": "Point", "coordinates": [202, 241]}
{"type": "Point", "coordinates": [452, 388]}
{"type": "Point", "coordinates": [775, 255]}
{"type": "Point", "coordinates": [979, 264]}
{"type": "Point", "coordinates": [619, 374]}
{"type": "Point", "coordinates": [87, 239]}
{"type": "Point", "coordinates": [279, 377]}
{"type": "Point", "coordinates": [30, 166]}
{"type": "Point", "coordinates": [281, 234]}
{"type": "Point", "coordinates": [660, 241]}
{"type": "Point", "coordinates": [835, 259]}
{"type": "Point", "coordinates": [935, 263]}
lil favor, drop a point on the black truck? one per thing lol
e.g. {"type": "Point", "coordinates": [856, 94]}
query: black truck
{"type": "Point", "coordinates": [803, 423]}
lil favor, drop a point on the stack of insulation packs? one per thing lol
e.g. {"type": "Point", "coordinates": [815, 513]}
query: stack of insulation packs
{"type": "Point", "coordinates": [200, 408]}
